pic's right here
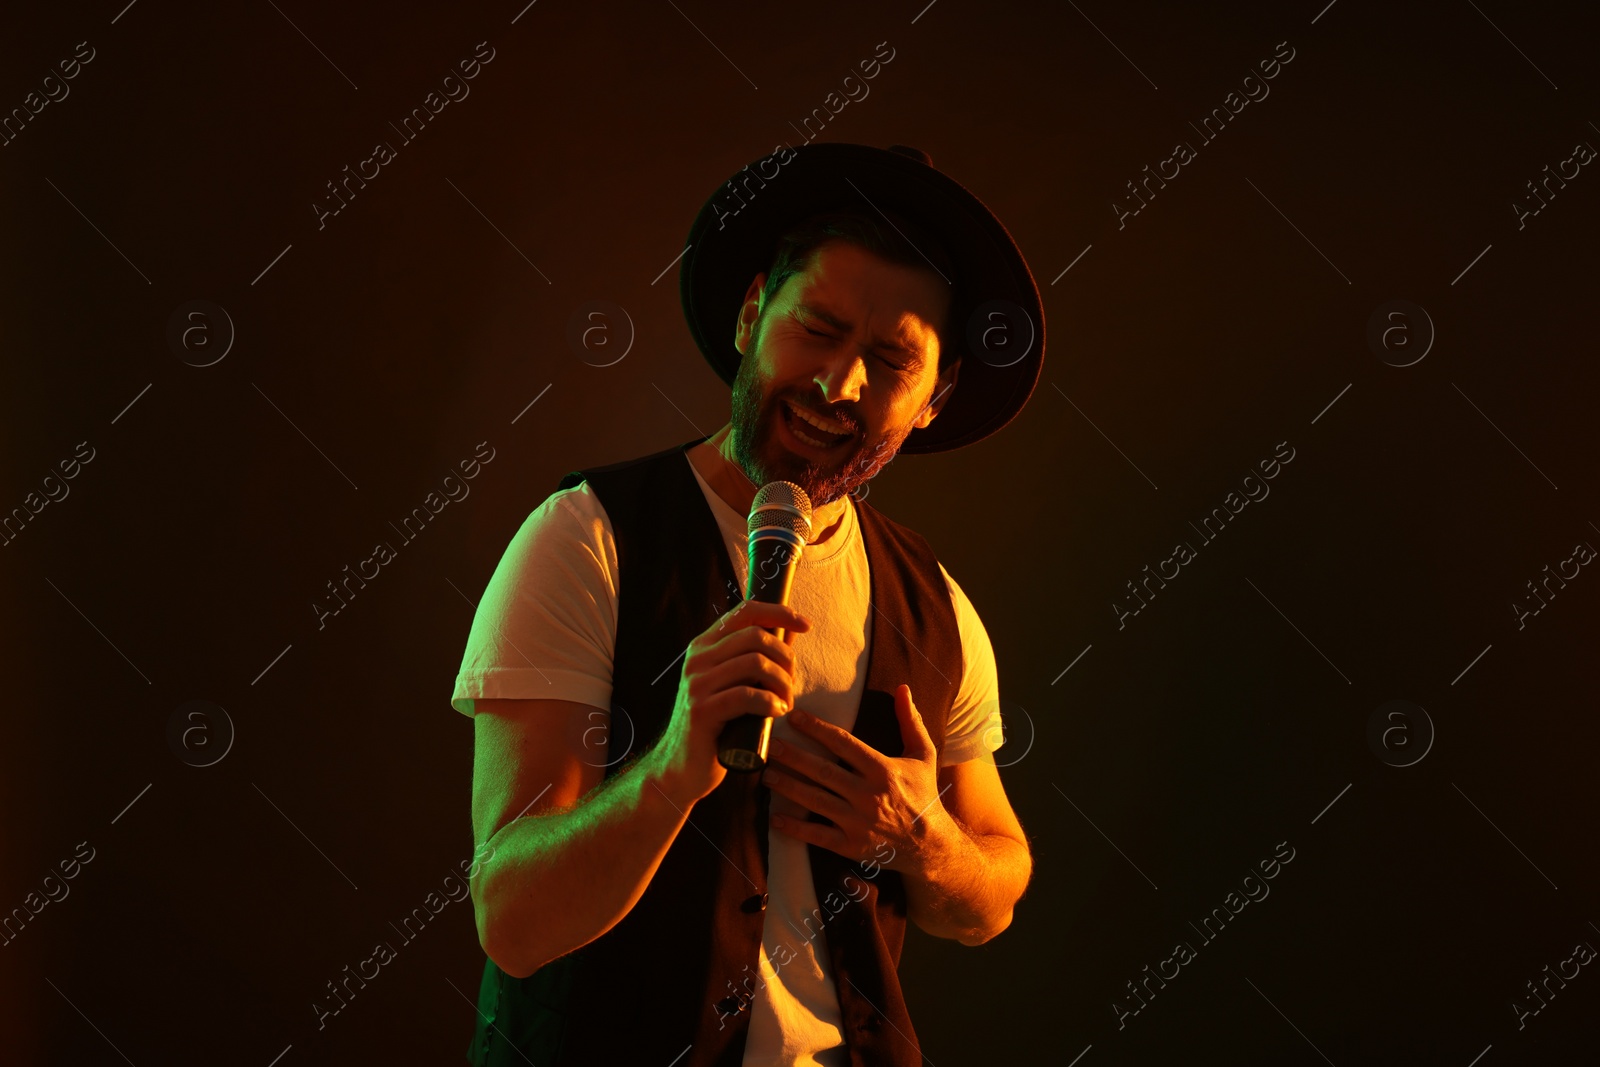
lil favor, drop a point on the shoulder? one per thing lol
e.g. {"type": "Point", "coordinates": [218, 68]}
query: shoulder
{"type": "Point", "coordinates": [971, 624]}
{"type": "Point", "coordinates": [577, 501]}
{"type": "Point", "coordinates": [564, 512]}
{"type": "Point", "coordinates": [628, 471]}
{"type": "Point", "coordinates": [568, 528]}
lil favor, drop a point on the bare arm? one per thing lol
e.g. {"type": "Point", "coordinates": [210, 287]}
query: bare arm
{"type": "Point", "coordinates": [576, 863]}
{"type": "Point", "coordinates": [975, 862]}
{"type": "Point", "coordinates": [586, 849]}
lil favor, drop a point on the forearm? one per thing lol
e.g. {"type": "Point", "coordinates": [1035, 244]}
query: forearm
{"type": "Point", "coordinates": [963, 885]}
{"type": "Point", "coordinates": [557, 881]}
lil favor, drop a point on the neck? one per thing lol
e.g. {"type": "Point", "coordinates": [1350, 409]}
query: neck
{"type": "Point", "coordinates": [713, 458]}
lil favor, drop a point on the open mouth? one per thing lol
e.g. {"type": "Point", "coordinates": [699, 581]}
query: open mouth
{"type": "Point", "coordinates": [812, 436]}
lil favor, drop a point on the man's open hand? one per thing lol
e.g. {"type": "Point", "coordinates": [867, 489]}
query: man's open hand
{"type": "Point", "coordinates": [875, 800]}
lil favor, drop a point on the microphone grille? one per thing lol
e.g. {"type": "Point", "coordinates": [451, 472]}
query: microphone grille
{"type": "Point", "coordinates": [782, 504]}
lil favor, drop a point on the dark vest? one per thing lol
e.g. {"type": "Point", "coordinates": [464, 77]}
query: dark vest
{"type": "Point", "coordinates": [677, 973]}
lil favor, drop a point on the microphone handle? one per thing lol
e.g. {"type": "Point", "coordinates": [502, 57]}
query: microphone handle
{"type": "Point", "coordinates": [742, 745]}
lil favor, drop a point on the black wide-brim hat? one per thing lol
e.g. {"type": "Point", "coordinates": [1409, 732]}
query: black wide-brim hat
{"type": "Point", "coordinates": [997, 319]}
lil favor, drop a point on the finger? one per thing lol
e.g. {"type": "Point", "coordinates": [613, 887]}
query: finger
{"type": "Point", "coordinates": [776, 650]}
{"type": "Point", "coordinates": [812, 833]}
{"type": "Point", "coordinates": [767, 616]}
{"type": "Point", "coordinates": [856, 753]}
{"type": "Point", "coordinates": [913, 732]}
{"type": "Point", "coordinates": [809, 796]}
{"type": "Point", "coordinates": [744, 642]}
{"type": "Point", "coordinates": [815, 770]}
{"type": "Point", "coordinates": [739, 700]}
{"type": "Point", "coordinates": [750, 669]}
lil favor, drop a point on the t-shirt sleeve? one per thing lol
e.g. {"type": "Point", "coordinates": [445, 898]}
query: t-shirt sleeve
{"type": "Point", "coordinates": [546, 625]}
{"type": "Point", "coordinates": [973, 730]}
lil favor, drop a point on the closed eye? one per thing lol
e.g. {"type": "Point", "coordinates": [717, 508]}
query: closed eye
{"type": "Point", "coordinates": [828, 336]}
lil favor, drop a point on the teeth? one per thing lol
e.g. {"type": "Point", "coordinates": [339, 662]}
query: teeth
{"type": "Point", "coordinates": [808, 439]}
{"type": "Point", "coordinates": [827, 427]}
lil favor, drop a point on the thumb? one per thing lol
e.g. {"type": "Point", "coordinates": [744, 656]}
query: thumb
{"type": "Point", "coordinates": [918, 744]}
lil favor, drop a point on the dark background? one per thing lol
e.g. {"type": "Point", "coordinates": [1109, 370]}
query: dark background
{"type": "Point", "coordinates": [1228, 316]}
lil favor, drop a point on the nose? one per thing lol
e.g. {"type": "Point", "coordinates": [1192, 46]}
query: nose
{"type": "Point", "coordinates": [842, 378]}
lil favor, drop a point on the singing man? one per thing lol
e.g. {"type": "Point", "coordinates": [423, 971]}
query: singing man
{"type": "Point", "coordinates": [641, 903]}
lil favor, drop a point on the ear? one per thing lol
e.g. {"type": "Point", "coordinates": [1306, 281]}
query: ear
{"type": "Point", "coordinates": [943, 388]}
{"type": "Point", "coordinates": [744, 329]}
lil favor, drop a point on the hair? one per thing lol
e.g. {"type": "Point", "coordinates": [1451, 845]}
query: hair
{"type": "Point", "coordinates": [901, 242]}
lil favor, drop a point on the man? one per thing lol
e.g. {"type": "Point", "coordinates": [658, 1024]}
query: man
{"type": "Point", "coordinates": [613, 644]}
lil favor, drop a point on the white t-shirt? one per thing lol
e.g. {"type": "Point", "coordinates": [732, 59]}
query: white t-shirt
{"type": "Point", "coordinates": [546, 628]}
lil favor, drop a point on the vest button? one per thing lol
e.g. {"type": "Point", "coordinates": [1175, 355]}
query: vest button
{"type": "Point", "coordinates": [754, 904]}
{"type": "Point", "coordinates": [731, 1005]}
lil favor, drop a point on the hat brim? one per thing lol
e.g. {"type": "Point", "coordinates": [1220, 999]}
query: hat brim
{"type": "Point", "coordinates": [996, 313]}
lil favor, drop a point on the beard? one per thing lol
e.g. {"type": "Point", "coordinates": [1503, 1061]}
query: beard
{"type": "Point", "coordinates": [764, 459]}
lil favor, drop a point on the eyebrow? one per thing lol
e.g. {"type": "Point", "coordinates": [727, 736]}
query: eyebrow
{"type": "Point", "coordinates": [893, 345]}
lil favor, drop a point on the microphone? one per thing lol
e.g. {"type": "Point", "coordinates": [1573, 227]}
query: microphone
{"type": "Point", "coordinates": [780, 522]}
